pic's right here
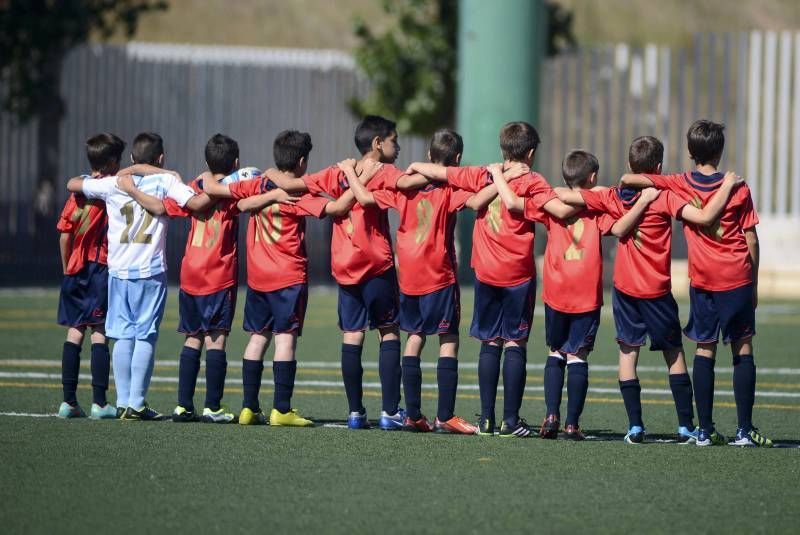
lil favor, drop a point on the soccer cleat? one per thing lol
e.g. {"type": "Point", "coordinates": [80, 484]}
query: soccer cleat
{"type": "Point", "coordinates": [687, 437]}
{"type": "Point", "coordinates": [392, 422]}
{"type": "Point", "coordinates": [635, 435]}
{"type": "Point", "coordinates": [750, 439]}
{"type": "Point", "coordinates": [65, 410]}
{"type": "Point", "coordinates": [519, 430]}
{"type": "Point", "coordinates": [486, 426]}
{"type": "Point", "coordinates": [420, 425]}
{"type": "Point", "coordinates": [220, 416]}
{"type": "Point", "coordinates": [549, 429]}
{"type": "Point", "coordinates": [106, 412]}
{"type": "Point", "coordinates": [120, 413]}
{"type": "Point", "coordinates": [251, 417]}
{"type": "Point", "coordinates": [706, 438]}
{"type": "Point", "coordinates": [455, 425]}
{"type": "Point", "coordinates": [289, 419]}
{"type": "Point", "coordinates": [358, 420]}
{"type": "Point", "coordinates": [573, 432]}
{"type": "Point", "coordinates": [145, 414]}
{"type": "Point", "coordinates": [182, 415]}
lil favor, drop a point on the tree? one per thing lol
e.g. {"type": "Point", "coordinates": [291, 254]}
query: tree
{"type": "Point", "coordinates": [412, 66]}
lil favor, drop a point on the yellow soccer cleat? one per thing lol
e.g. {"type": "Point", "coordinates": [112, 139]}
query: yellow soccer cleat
{"type": "Point", "coordinates": [290, 419]}
{"type": "Point", "coordinates": [250, 417]}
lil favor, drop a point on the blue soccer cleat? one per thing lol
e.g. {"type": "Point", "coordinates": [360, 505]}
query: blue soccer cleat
{"type": "Point", "coordinates": [635, 435]}
{"type": "Point", "coordinates": [392, 422]}
{"type": "Point", "coordinates": [65, 410]}
{"type": "Point", "coordinates": [687, 437]}
{"type": "Point", "coordinates": [106, 412]}
{"type": "Point", "coordinates": [358, 420]}
{"type": "Point", "coordinates": [750, 439]}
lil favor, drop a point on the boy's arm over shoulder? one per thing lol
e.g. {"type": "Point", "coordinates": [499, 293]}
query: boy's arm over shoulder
{"type": "Point", "coordinates": [152, 204]}
{"type": "Point", "coordinates": [470, 178]}
{"type": "Point", "coordinates": [324, 181]}
{"type": "Point", "coordinates": [474, 201]}
{"type": "Point", "coordinates": [93, 188]}
{"type": "Point", "coordinates": [628, 221]}
{"type": "Point", "coordinates": [711, 212]}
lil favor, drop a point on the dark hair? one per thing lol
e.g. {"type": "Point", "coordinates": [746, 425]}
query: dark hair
{"type": "Point", "coordinates": [517, 139]}
{"type": "Point", "coordinates": [369, 128]}
{"type": "Point", "coordinates": [104, 152]}
{"type": "Point", "coordinates": [645, 154]}
{"type": "Point", "coordinates": [147, 147]}
{"type": "Point", "coordinates": [578, 166]}
{"type": "Point", "coordinates": [445, 147]}
{"type": "Point", "coordinates": [706, 141]}
{"type": "Point", "coordinates": [221, 154]}
{"type": "Point", "coordinates": [289, 147]}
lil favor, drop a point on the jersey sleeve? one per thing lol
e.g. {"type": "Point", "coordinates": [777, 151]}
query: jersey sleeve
{"type": "Point", "coordinates": [242, 190]}
{"type": "Point", "coordinates": [673, 204]}
{"type": "Point", "coordinates": [598, 201]}
{"type": "Point", "coordinates": [385, 198]}
{"type": "Point", "coordinates": [468, 178]}
{"type": "Point", "coordinates": [538, 191]}
{"type": "Point", "coordinates": [604, 223]}
{"type": "Point", "coordinates": [748, 217]}
{"type": "Point", "coordinates": [311, 205]}
{"type": "Point", "coordinates": [177, 190]}
{"type": "Point", "coordinates": [458, 199]}
{"type": "Point", "coordinates": [99, 188]}
{"type": "Point", "coordinates": [65, 223]}
{"type": "Point", "coordinates": [325, 181]}
{"type": "Point", "coordinates": [386, 178]}
{"type": "Point", "coordinates": [667, 182]}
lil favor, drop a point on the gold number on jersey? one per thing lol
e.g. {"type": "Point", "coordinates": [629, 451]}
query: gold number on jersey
{"type": "Point", "coordinates": [81, 216]}
{"type": "Point", "coordinates": [573, 253]}
{"type": "Point", "coordinates": [493, 215]}
{"type": "Point", "coordinates": [269, 229]}
{"type": "Point", "coordinates": [637, 238]}
{"type": "Point", "coordinates": [141, 235]}
{"type": "Point", "coordinates": [424, 216]}
{"type": "Point", "coordinates": [714, 230]}
{"type": "Point", "coordinates": [350, 228]}
{"type": "Point", "coordinates": [207, 221]}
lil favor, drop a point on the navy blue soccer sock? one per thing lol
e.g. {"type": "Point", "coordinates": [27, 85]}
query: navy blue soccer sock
{"type": "Point", "coordinates": [577, 386]}
{"type": "Point", "coordinates": [251, 383]}
{"type": "Point", "coordinates": [744, 389]}
{"type": "Point", "coordinates": [488, 377]}
{"type": "Point", "coordinates": [681, 386]}
{"type": "Point", "coordinates": [631, 392]}
{"type": "Point", "coordinates": [514, 376]}
{"type": "Point", "coordinates": [216, 370]}
{"type": "Point", "coordinates": [390, 372]}
{"type": "Point", "coordinates": [188, 367]}
{"type": "Point", "coordinates": [352, 374]}
{"type": "Point", "coordinates": [703, 379]}
{"type": "Point", "coordinates": [412, 387]}
{"type": "Point", "coordinates": [70, 367]}
{"type": "Point", "coordinates": [284, 374]}
{"type": "Point", "coordinates": [554, 384]}
{"type": "Point", "coordinates": [447, 377]}
{"type": "Point", "coordinates": [101, 366]}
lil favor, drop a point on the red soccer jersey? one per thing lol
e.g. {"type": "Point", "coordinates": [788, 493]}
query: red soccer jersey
{"type": "Point", "coordinates": [276, 250]}
{"type": "Point", "coordinates": [502, 241]}
{"type": "Point", "coordinates": [719, 259]}
{"type": "Point", "coordinates": [210, 262]}
{"type": "Point", "coordinates": [87, 221]}
{"type": "Point", "coordinates": [573, 260]}
{"type": "Point", "coordinates": [361, 247]}
{"type": "Point", "coordinates": [642, 265]}
{"type": "Point", "coordinates": [425, 239]}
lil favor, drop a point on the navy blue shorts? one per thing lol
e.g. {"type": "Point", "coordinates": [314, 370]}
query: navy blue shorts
{"type": "Point", "coordinates": [438, 312]}
{"type": "Point", "coordinates": [569, 333]}
{"type": "Point", "coordinates": [84, 297]}
{"type": "Point", "coordinates": [503, 312]}
{"type": "Point", "coordinates": [733, 311]}
{"type": "Point", "coordinates": [202, 314]}
{"type": "Point", "coordinates": [370, 304]}
{"type": "Point", "coordinates": [280, 311]}
{"type": "Point", "coordinates": [637, 318]}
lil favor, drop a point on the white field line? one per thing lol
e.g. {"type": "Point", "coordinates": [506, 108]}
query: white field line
{"type": "Point", "coordinates": [28, 414]}
{"type": "Point", "coordinates": [377, 385]}
{"type": "Point", "coordinates": [372, 365]}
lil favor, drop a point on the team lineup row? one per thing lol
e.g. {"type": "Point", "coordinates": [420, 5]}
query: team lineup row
{"type": "Point", "coordinates": [112, 247]}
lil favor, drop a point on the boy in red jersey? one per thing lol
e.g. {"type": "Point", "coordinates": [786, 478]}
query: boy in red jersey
{"type": "Point", "coordinates": [429, 293]}
{"type": "Point", "coordinates": [84, 291]}
{"type": "Point", "coordinates": [276, 275]}
{"type": "Point", "coordinates": [572, 285]}
{"type": "Point", "coordinates": [723, 270]}
{"type": "Point", "coordinates": [505, 285]}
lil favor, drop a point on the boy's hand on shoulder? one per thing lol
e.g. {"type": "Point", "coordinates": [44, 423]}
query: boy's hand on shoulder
{"type": "Point", "coordinates": [369, 168]}
{"type": "Point", "coordinates": [412, 168]}
{"type": "Point", "coordinates": [125, 183]}
{"type": "Point", "coordinates": [650, 194]}
{"type": "Point", "coordinates": [283, 197]}
{"type": "Point", "coordinates": [495, 168]}
{"type": "Point", "coordinates": [348, 164]}
{"type": "Point", "coordinates": [515, 170]}
{"type": "Point", "coordinates": [731, 179]}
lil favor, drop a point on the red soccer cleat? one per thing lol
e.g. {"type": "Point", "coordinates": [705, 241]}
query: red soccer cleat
{"type": "Point", "coordinates": [455, 425]}
{"type": "Point", "coordinates": [420, 425]}
{"type": "Point", "coordinates": [550, 427]}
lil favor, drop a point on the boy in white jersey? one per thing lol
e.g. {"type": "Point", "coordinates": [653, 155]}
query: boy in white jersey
{"type": "Point", "coordinates": [137, 285]}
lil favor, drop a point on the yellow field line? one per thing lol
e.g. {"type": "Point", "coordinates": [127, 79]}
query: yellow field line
{"type": "Point", "coordinates": [377, 394]}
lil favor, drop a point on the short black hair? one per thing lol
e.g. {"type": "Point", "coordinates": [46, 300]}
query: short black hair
{"type": "Point", "coordinates": [104, 152]}
{"type": "Point", "coordinates": [645, 154]}
{"type": "Point", "coordinates": [517, 139]}
{"type": "Point", "coordinates": [221, 154]}
{"type": "Point", "coordinates": [147, 147]}
{"type": "Point", "coordinates": [578, 166]}
{"type": "Point", "coordinates": [289, 147]}
{"type": "Point", "coordinates": [445, 147]}
{"type": "Point", "coordinates": [369, 128]}
{"type": "Point", "coordinates": [706, 141]}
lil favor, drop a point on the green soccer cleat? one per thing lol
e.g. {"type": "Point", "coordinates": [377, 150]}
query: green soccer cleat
{"type": "Point", "coordinates": [182, 415]}
{"type": "Point", "coordinates": [706, 438]}
{"type": "Point", "coordinates": [750, 439]}
{"type": "Point", "coordinates": [106, 412]}
{"type": "Point", "coordinates": [65, 410]}
{"type": "Point", "coordinates": [251, 417]}
{"type": "Point", "coordinates": [486, 426]}
{"type": "Point", "coordinates": [220, 416]}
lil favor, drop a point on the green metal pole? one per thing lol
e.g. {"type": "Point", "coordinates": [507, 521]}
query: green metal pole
{"type": "Point", "coordinates": [500, 47]}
